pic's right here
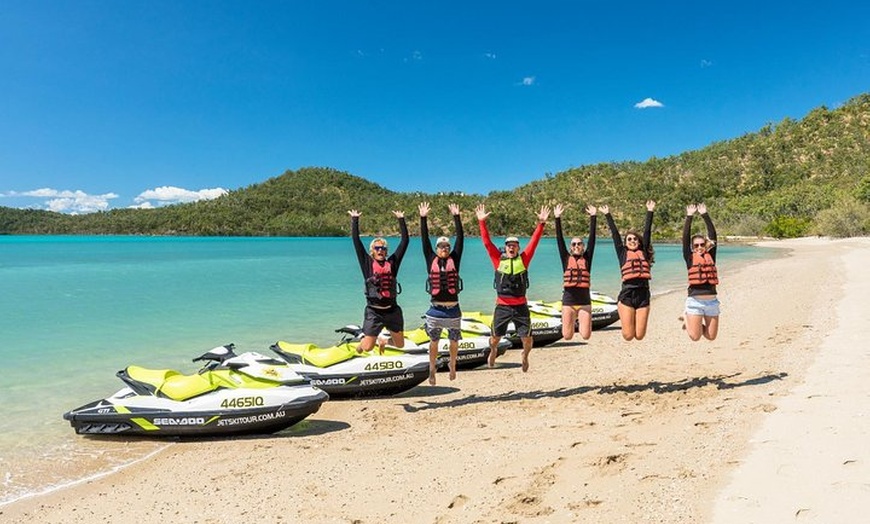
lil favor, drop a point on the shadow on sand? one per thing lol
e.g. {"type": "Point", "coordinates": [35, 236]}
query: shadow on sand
{"type": "Point", "coordinates": [721, 382]}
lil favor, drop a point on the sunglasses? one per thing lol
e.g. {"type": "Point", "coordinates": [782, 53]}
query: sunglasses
{"type": "Point", "coordinates": [699, 245]}
{"type": "Point", "coordinates": [631, 239]}
{"type": "Point", "coordinates": [443, 246]}
{"type": "Point", "coordinates": [379, 248]}
{"type": "Point", "coordinates": [576, 243]}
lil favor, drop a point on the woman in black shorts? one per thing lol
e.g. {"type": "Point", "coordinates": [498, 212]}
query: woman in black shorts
{"type": "Point", "coordinates": [576, 270]}
{"type": "Point", "coordinates": [635, 260]}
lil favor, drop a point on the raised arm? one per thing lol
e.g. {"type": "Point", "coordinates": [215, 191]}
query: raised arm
{"type": "Point", "coordinates": [361, 254]}
{"type": "Point", "coordinates": [529, 251]}
{"type": "Point", "coordinates": [593, 230]}
{"type": "Point", "coordinates": [428, 253]}
{"type": "Point", "coordinates": [711, 230]}
{"type": "Point", "coordinates": [687, 233]}
{"type": "Point", "coordinates": [614, 232]}
{"type": "Point", "coordinates": [403, 242]}
{"type": "Point", "coordinates": [647, 226]}
{"type": "Point", "coordinates": [560, 237]}
{"type": "Point", "coordinates": [459, 244]}
{"type": "Point", "coordinates": [492, 251]}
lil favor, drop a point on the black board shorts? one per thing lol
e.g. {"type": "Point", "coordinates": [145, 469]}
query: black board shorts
{"type": "Point", "coordinates": [376, 319]}
{"type": "Point", "coordinates": [519, 315]}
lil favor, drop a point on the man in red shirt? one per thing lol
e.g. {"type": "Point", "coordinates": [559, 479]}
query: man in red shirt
{"type": "Point", "coordinates": [511, 283]}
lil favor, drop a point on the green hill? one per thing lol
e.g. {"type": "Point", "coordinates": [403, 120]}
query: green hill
{"type": "Point", "coordinates": [789, 179]}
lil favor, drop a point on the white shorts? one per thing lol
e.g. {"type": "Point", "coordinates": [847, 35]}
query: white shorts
{"type": "Point", "coordinates": [702, 308]}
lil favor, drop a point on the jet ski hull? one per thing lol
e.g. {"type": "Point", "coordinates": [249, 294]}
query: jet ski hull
{"type": "Point", "coordinates": [222, 413]}
{"type": "Point", "coordinates": [360, 375]}
{"type": "Point", "coordinates": [604, 314]}
{"type": "Point", "coordinates": [345, 386]}
{"type": "Point", "coordinates": [473, 348]}
{"type": "Point", "coordinates": [469, 358]}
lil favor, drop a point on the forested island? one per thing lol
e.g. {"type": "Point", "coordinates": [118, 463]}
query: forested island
{"type": "Point", "coordinates": [789, 179]}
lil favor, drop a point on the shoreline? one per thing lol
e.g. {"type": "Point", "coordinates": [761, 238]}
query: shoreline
{"type": "Point", "coordinates": [605, 431]}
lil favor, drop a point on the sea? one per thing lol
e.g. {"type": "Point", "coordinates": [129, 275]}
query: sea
{"type": "Point", "coordinates": [76, 309]}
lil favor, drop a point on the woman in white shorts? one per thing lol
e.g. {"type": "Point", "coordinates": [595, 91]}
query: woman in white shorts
{"type": "Point", "coordinates": [702, 306]}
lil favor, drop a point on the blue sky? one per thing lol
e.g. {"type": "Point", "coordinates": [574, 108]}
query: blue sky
{"type": "Point", "coordinates": [107, 104]}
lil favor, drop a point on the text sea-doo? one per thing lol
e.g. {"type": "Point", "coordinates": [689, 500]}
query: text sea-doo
{"type": "Point", "coordinates": [342, 372]}
{"type": "Point", "coordinates": [232, 394]}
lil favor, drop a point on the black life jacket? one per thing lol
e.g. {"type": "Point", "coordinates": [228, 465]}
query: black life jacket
{"type": "Point", "coordinates": [511, 277]}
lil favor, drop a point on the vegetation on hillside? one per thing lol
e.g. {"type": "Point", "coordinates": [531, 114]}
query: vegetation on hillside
{"type": "Point", "coordinates": [790, 179]}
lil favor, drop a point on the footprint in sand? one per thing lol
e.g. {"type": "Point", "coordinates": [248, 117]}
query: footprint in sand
{"type": "Point", "coordinates": [458, 501]}
{"type": "Point", "coordinates": [612, 463]}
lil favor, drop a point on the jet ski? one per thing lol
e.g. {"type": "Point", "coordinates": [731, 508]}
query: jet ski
{"type": "Point", "coordinates": [473, 347]}
{"type": "Point", "coordinates": [604, 310]}
{"type": "Point", "coordinates": [545, 329]}
{"type": "Point", "coordinates": [231, 395]}
{"type": "Point", "coordinates": [343, 373]}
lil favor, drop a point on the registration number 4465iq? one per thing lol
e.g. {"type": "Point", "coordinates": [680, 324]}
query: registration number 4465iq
{"type": "Point", "coordinates": [242, 402]}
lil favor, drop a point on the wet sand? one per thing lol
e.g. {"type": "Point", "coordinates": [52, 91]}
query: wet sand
{"type": "Point", "coordinates": [662, 430]}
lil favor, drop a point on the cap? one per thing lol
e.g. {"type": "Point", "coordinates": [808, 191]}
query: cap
{"type": "Point", "coordinates": [442, 240]}
{"type": "Point", "coordinates": [512, 239]}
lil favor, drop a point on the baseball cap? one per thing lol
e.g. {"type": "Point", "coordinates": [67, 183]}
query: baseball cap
{"type": "Point", "coordinates": [511, 239]}
{"type": "Point", "coordinates": [442, 240]}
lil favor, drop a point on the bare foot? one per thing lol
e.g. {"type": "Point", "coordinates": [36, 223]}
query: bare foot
{"type": "Point", "coordinates": [525, 363]}
{"type": "Point", "coordinates": [491, 358]}
{"type": "Point", "coordinates": [432, 379]}
{"type": "Point", "coordinates": [381, 343]}
{"type": "Point", "coordinates": [452, 373]}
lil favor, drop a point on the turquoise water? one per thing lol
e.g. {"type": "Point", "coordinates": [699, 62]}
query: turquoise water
{"type": "Point", "coordinates": [74, 310]}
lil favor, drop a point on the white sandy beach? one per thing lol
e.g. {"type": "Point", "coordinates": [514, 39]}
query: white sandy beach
{"type": "Point", "coordinates": [769, 423]}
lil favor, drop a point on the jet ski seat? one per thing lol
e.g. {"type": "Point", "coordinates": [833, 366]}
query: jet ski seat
{"type": "Point", "coordinates": [318, 356]}
{"type": "Point", "coordinates": [166, 382]}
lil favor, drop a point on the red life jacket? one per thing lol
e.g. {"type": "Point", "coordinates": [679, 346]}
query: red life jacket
{"type": "Point", "coordinates": [576, 274]}
{"type": "Point", "coordinates": [443, 279]}
{"type": "Point", "coordinates": [636, 265]}
{"type": "Point", "coordinates": [382, 283]}
{"type": "Point", "coordinates": [703, 270]}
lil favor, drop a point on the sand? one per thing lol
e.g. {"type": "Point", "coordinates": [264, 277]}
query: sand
{"type": "Point", "coordinates": [768, 423]}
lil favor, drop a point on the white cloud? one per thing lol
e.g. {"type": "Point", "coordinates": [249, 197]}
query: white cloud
{"type": "Point", "coordinates": [78, 202]}
{"type": "Point", "coordinates": [491, 56]}
{"type": "Point", "coordinates": [416, 56]}
{"type": "Point", "coordinates": [529, 80]}
{"type": "Point", "coordinates": [166, 195]}
{"type": "Point", "coordinates": [64, 200]}
{"type": "Point", "coordinates": [706, 63]}
{"type": "Point", "coordinates": [648, 102]}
